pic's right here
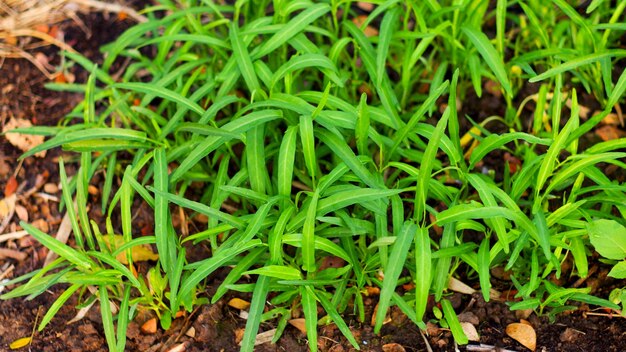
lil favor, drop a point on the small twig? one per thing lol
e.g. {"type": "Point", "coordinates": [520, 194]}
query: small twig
{"type": "Point", "coordinates": [428, 348]}
{"type": "Point", "coordinates": [608, 315]}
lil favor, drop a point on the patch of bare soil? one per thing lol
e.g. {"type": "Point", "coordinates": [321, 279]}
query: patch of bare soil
{"type": "Point", "coordinates": [216, 327]}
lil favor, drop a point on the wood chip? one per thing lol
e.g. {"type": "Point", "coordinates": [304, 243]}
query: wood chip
{"type": "Point", "coordinates": [239, 303]}
{"type": "Point", "coordinates": [524, 334]}
{"type": "Point", "coordinates": [150, 326]}
{"type": "Point", "coordinates": [191, 332]}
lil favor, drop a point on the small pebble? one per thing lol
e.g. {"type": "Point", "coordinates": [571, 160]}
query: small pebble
{"type": "Point", "coordinates": [50, 188]}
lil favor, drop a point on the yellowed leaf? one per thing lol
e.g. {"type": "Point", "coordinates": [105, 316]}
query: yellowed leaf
{"type": "Point", "coordinates": [239, 303]}
{"type": "Point", "coordinates": [24, 142]}
{"type": "Point", "coordinates": [299, 324]}
{"type": "Point", "coordinates": [524, 334]}
{"type": "Point", "coordinates": [19, 343]}
{"type": "Point", "coordinates": [139, 253]}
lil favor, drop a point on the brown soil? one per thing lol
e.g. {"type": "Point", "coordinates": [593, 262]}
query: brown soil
{"type": "Point", "coordinates": [216, 326]}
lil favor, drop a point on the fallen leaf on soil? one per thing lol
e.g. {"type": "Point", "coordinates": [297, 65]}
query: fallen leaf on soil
{"type": "Point", "coordinates": [239, 303]}
{"type": "Point", "coordinates": [139, 253]}
{"type": "Point", "coordinates": [24, 142]}
{"type": "Point", "coordinates": [21, 213]}
{"type": "Point", "coordinates": [458, 286]}
{"type": "Point", "coordinates": [19, 343]}
{"type": "Point", "coordinates": [369, 31]}
{"type": "Point", "coordinates": [265, 336]}
{"type": "Point", "coordinates": [524, 334]}
{"type": "Point", "coordinates": [470, 331]}
{"type": "Point", "coordinates": [81, 312]}
{"type": "Point", "coordinates": [373, 322]}
{"type": "Point", "coordinates": [393, 347]}
{"type": "Point", "coordinates": [299, 324]}
{"type": "Point", "coordinates": [11, 186]}
{"type": "Point", "coordinates": [7, 209]}
{"type": "Point", "coordinates": [150, 326]}
{"type": "Point", "coordinates": [609, 132]}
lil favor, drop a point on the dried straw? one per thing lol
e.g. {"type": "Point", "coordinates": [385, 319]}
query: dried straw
{"type": "Point", "coordinates": [21, 18]}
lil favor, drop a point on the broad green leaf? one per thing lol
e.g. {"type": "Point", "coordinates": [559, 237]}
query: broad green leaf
{"type": "Point", "coordinates": [608, 238]}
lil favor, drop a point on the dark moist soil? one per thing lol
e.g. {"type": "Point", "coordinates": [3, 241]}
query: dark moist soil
{"type": "Point", "coordinates": [215, 327]}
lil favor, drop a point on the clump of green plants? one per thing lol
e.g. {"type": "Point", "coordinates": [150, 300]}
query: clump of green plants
{"type": "Point", "coordinates": [328, 143]}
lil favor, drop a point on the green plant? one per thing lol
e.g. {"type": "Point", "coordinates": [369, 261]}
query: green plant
{"type": "Point", "coordinates": [319, 140]}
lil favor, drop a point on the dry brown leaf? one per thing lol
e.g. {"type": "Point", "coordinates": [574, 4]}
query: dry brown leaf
{"type": "Point", "coordinates": [24, 142]}
{"type": "Point", "coordinates": [373, 322]}
{"type": "Point", "coordinates": [299, 324]}
{"type": "Point", "coordinates": [524, 334]}
{"type": "Point", "coordinates": [369, 31]}
{"type": "Point", "coordinates": [21, 212]}
{"type": "Point", "coordinates": [81, 313]}
{"type": "Point", "coordinates": [239, 303]}
{"type": "Point", "coordinates": [470, 331]}
{"type": "Point", "coordinates": [458, 286]}
{"type": "Point", "coordinates": [609, 132]}
{"type": "Point", "coordinates": [150, 326]}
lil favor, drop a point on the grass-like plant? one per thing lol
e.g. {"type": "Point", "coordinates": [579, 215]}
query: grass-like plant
{"type": "Point", "coordinates": [325, 142]}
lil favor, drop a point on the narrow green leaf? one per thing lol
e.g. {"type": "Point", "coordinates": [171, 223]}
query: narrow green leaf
{"type": "Point", "coordinates": [490, 55]}
{"type": "Point", "coordinates": [397, 260]}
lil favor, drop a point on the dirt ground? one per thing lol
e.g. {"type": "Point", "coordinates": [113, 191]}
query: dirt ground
{"type": "Point", "coordinates": [215, 327]}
